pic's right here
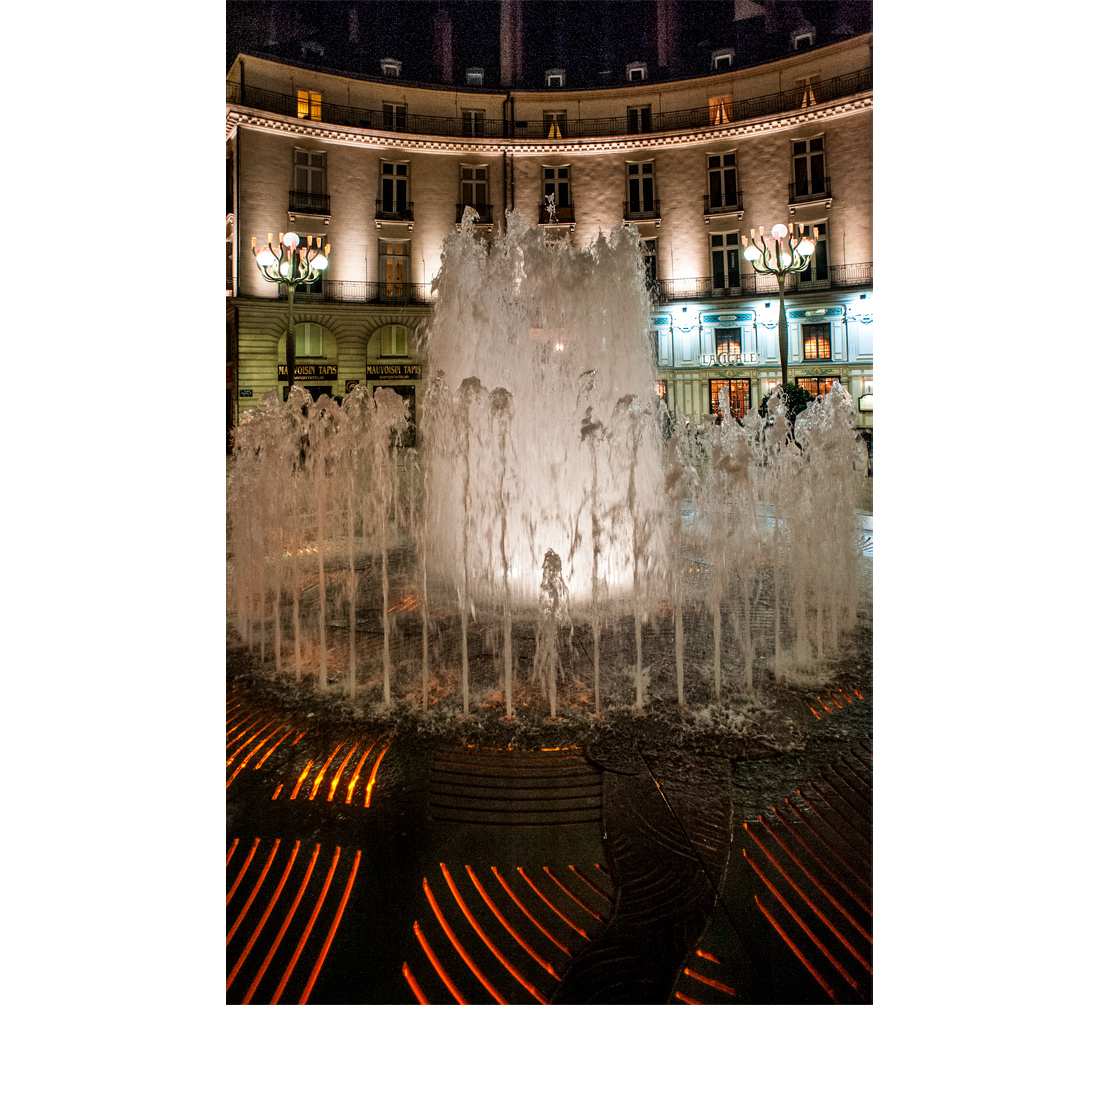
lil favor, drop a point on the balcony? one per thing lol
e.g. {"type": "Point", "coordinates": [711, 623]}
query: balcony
{"type": "Point", "coordinates": [808, 191]}
{"type": "Point", "coordinates": [694, 118]}
{"type": "Point", "coordinates": [392, 212]}
{"type": "Point", "coordinates": [639, 212]}
{"type": "Point", "coordinates": [752, 284]}
{"type": "Point", "coordinates": [484, 214]}
{"type": "Point", "coordinates": [732, 204]}
{"type": "Point", "coordinates": [345, 290]}
{"type": "Point", "coordinates": [308, 202]}
{"type": "Point", "coordinates": [563, 216]}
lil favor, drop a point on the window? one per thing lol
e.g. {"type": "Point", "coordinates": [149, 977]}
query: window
{"type": "Point", "coordinates": [309, 105]}
{"type": "Point", "coordinates": [393, 116]}
{"type": "Point", "coordinates": [475, 185]}
{"type": "Point", "coordinates": [649, 259]}
{"type": "Point", "coordinates": [308, 195]}
{"type": "Point", "coordinates": [818, 387]}
{"type": "Point", "coordinates": [393, 341]}
{"type": "Point", "coordinates": [317, 287]}
{"type": "Point", "coordinates": [722, 178]}
{"type": "Point", "coordinates": [736, 391]}
{"type": "Point", "coordinates": [639, 120]}
{"type": "Point", "coordinates": [555, 78]}
{"type": "Point", "coordinates": [806, 85]}
{"type": "Point", "coordinates": [553, 124]}
{"type": "Point", "coordinates": [391, 66]}
{"type": "Point", "coordinates": [640, 188]}
{"type": "Point", "coordinates": [395, 188]}
{"type": "Point", "coordinates": [473, 123]}
{"type": "Point", "coordinates": [818, 270]}
{"type": "Point", "coordinates": [307, 340]}
{"type": "Point", "coordinates": [724, 265]}
{"type": "Point", "coordinates": [809, 167]}
{"type": "Point", "coordinates": [555, 188]}
{"type": "Point", "coordinates": [727, 345]}
{"type": "Point", "coordinates": [393, 259]}
{"type": "Point", "coordinates": [802, 40]}
{"type": "Point", "coordinates": [475, 76]}
{"type": "Point", "coordinates": [636, 71]}
{"type": "Point", "coordinates": [721, 110]}
{"type": "Point", "coordinates": [721, 59]}
{"type": "Point", "coordinates": [660, 388]}
{"type": "Point", "coordinates": [817, 341]}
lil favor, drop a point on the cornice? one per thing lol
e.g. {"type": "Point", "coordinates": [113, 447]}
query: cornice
{"type": "Point", "coordinates": [426, 143]}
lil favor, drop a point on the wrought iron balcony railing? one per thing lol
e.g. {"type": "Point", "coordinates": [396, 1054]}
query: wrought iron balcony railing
{"type": "Point", "coordinates": [349, 290]}
{"type": "Point", "coordinates": [809, 190]}
{"type": "Point", "coordinates": [308, 202]}
{"type": "Point", "coordinates": [562, 214]}
{"type": "Point", "coordinates": [751, 283]}
{"type": "Point", "coordinates": [730, 205]}
{"type": "Point", "coordinates": [639, 212]}
{"type": "Point", "coordinates": [694, 118]}
{"type": "Point", "coordinates": [392, 211]}
{"type": "Point", "coordinates": [484, 212]}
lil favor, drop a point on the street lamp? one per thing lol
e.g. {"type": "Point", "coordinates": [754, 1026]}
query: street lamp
{"type": "Point", "coordinates": [295, 264]}
{"type": "Point", "coordinates": [780, 261]}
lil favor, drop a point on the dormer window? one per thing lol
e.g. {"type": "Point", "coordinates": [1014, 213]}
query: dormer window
{"type": "Point", "coordinates": [391, 66]}
{"type": "Point", "coordinates": [803, 39]}
{"type": "Point", "coordinates": [311, 50]}
{"type": "Point", "coordinates": [636, 71]}
{"type": "Point", "coordinates": [555, 78]}
{"type": "Point", "coordinates": [721, 59]}
{"type": "Point", "coordinates": [475, 76]}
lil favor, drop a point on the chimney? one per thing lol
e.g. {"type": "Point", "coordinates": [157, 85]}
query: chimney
{"type": "Point", "coordinates": [443, 34]}
{"type": "Point", "coordinates": [353, 25]}
{"type": "Point", "coordinates": [511, 43]}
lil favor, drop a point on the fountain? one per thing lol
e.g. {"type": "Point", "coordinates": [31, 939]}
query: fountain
{"type": "Point", "coordinates": [555, 542]}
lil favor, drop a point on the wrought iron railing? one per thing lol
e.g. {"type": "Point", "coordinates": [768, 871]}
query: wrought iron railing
{"type": "Point", "coordinates": [694, 118]}
{"type": "Point", "coordinates": [808, 192]}
{"type": "Point", "coordinates": [349, 290]}
{"type": "Point", "coordinates": [484, 212]}
{"type": "Point", "coordinates": [639, 212]}
{"type": "Point", "coordinates": [308, 202]}
{"type": "Point", "coordinates": [730, 206]}
{"type": "Point", "coordinates": [392, 211]}
{"type": "Point", "coordinates": [561, 214]}
{"type": "Point", "coordinates": [751, 283]}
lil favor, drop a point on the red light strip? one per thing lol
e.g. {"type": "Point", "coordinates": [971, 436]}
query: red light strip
{"type": "Point", "coordinates": [282, 931]}
{"type": "Point", "coordinates": [309, 928]}
{"type": "Point", "coordinates": [232, 849]}
{"type": "Point", "coordinates": [801, 893]}
{"type": "Point", "coordinates": [576, 928]}
{"type": "Point", "coordinates": [374, 775]}
{"type": "Point", "coordinates": [273, 748]}
{"type": "Point", "coordinates": [801, 866]}
{"type": "Point", "coordinates": [248, 721]}
{"type": "Point", "coordinates": [489, 943]}
{"type": "Point", "coordinates": [515, 935]}
{"type": "Point", "coordinates": [263, 919]}
{"type": "Point", "coordinates": [332, 931]}
{"type": "Point", "coordinates": [586, 908]}
{"type": "Point", "coordinates": [603, 869]}
{"type": "Point", "coordinates": [244, 763]}
{"type": "Point", "coordinates": [240, 748]}
{"type": "Point", "coordinates": [846, 793]}
{"type": "Point", "coordinates": [438, 966]}
{"type": "Point", "coordinates": [709, 981]}
{"type": "Point", "coordinates": [527, 913]}
{"type": "Point", "coordinates": [803, 925]}
{"type": "Point", "coordinates": [321, 773]}
{"type": "Point", "coordinates": [687, 1000]}
{"type": "Point", "coordinates": [459, 948]}
{"type": "Point", "coordinates": [252, 896]}
{"type": "Point", "coordinates": [358, 768]}
{"type": "Point", "coordinates": [802, 958]}
{"type": "Point", "coordinates": [589, 883]}
{"type": "Point", "coordinates": [340, 772]}
{"type": "Point", "coordinates": [851, 825]}
{"type": "Point", "coordinates": [240, 874]}
{"type": "Point", "coordinates": [301, 780]}
{"type": "Point", "coordinates": [708, 956]}
{"type": "Point", "coordinates": [407, 975]}
{"type": "Point", "coordinates": [278, 791]}
{"type": "Point", "coordinates": [817, 832]}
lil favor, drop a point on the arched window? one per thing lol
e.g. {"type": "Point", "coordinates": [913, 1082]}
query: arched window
{"type": "Point", "coordinates": [307, 339]}
{"type": "Point", "coordinates": [393, 341]}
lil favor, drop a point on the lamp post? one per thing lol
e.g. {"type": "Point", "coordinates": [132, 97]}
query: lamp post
{"type": "Point", "coordinates": [295, 264]}
{"type": "Point", "coordinates": [780, 261]}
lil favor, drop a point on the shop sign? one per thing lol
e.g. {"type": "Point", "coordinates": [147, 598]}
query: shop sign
{"type": "Point", "coordinates": [244, 393]}
{"type": "Point", "coordinates": [310, 372]}
{"type": "Point", "coordinates": [808, 314]}
{"type": "Point", "coordinates": [350, 384]}
{"type": "Point", "coordinates": [726, 318]}
{"type": "Point", "coordinates": [393, 372]}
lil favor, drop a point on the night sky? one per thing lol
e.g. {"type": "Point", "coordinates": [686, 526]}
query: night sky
{"type": "Point", "coordinates": [585, 37]}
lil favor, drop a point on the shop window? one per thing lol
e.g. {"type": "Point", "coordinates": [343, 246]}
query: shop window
{"type": "Point", "coordinates": [724, 264]}
{"type": "Point", "coordinates": [309, 105]}
{"type": "Point", "coordinates": [553, 124]}
{"type": "Point", "coordinates": [817, 341]}
{"type": "Point", "coordinates": [721, 110]}
{"type": "Point", "coordinates": [818, 386]}
{"type": "Point", "coordinates": [808, 167]}
{"type": "Point", "coordinates": [395, 188]}
{"type": "Point", "coordinates": [640, 188]}
{"type": "Point", "coordinates": [473, 123]}
{"type": "Point", "coordinates": [408, 437]}
{"type": "Point", "coordinates": [393, 117]}
{"type": "Point", "coordinates": [727, 345]}
{"type": "Point", "coordinates": [639, 120]}
{"type": "Point", "coordinates": [818, 269]}
{"type": "Point", "coordinates": [737, 394]}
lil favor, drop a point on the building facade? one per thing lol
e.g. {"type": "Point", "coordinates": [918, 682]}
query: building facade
{"type": "Point", "coordinates": [381, 170]}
